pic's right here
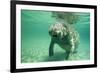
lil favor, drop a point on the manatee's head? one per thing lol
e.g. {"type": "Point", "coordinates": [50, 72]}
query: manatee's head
{"type": "Point", "coordinates": [58, 31]}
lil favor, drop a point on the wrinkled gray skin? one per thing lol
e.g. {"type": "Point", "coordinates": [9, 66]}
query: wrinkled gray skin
{"type": "Point", "coordinates": [65, 36]}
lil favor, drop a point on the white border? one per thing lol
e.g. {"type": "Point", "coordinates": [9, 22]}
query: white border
{"type": "Point", "coordinates": [20, 65]}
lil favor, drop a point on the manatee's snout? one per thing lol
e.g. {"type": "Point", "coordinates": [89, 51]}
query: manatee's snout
{"type": "Point", "coordinates": [54, 34]}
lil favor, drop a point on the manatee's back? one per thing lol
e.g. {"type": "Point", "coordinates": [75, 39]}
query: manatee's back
{"type": "Point", "coordinates": [76, 39]}
{"type": "Point", "coordinates": [73, 34]}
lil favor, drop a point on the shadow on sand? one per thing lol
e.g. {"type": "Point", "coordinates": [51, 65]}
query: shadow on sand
{"type": "Point", "coordinates": [58, 56]}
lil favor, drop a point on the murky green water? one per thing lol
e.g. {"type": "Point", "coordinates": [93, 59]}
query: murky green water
{"type": "Point", "coordinates": [35, 39]}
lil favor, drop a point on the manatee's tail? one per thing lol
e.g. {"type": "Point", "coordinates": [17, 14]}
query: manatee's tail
{"type": "Point", "coordinates": [69, 17]}
{"type": "Point", "coordinates": [51, 51]}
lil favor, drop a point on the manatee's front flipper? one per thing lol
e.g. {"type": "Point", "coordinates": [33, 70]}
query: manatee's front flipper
{"type": "Point", "coordinates": [67, 55]}
{"type": "Point", "coordinates": [51, 51]}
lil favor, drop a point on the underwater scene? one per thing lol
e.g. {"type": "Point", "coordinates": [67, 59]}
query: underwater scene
{"type": "Point", "coordinates": [51, 36]}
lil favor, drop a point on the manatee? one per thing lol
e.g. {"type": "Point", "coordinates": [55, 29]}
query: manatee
{"type": "Point", "coordinates": [65, 36]}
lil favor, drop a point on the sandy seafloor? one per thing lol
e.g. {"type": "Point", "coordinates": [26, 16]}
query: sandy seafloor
{"type": "Point", "coordinates": [35, 39]}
